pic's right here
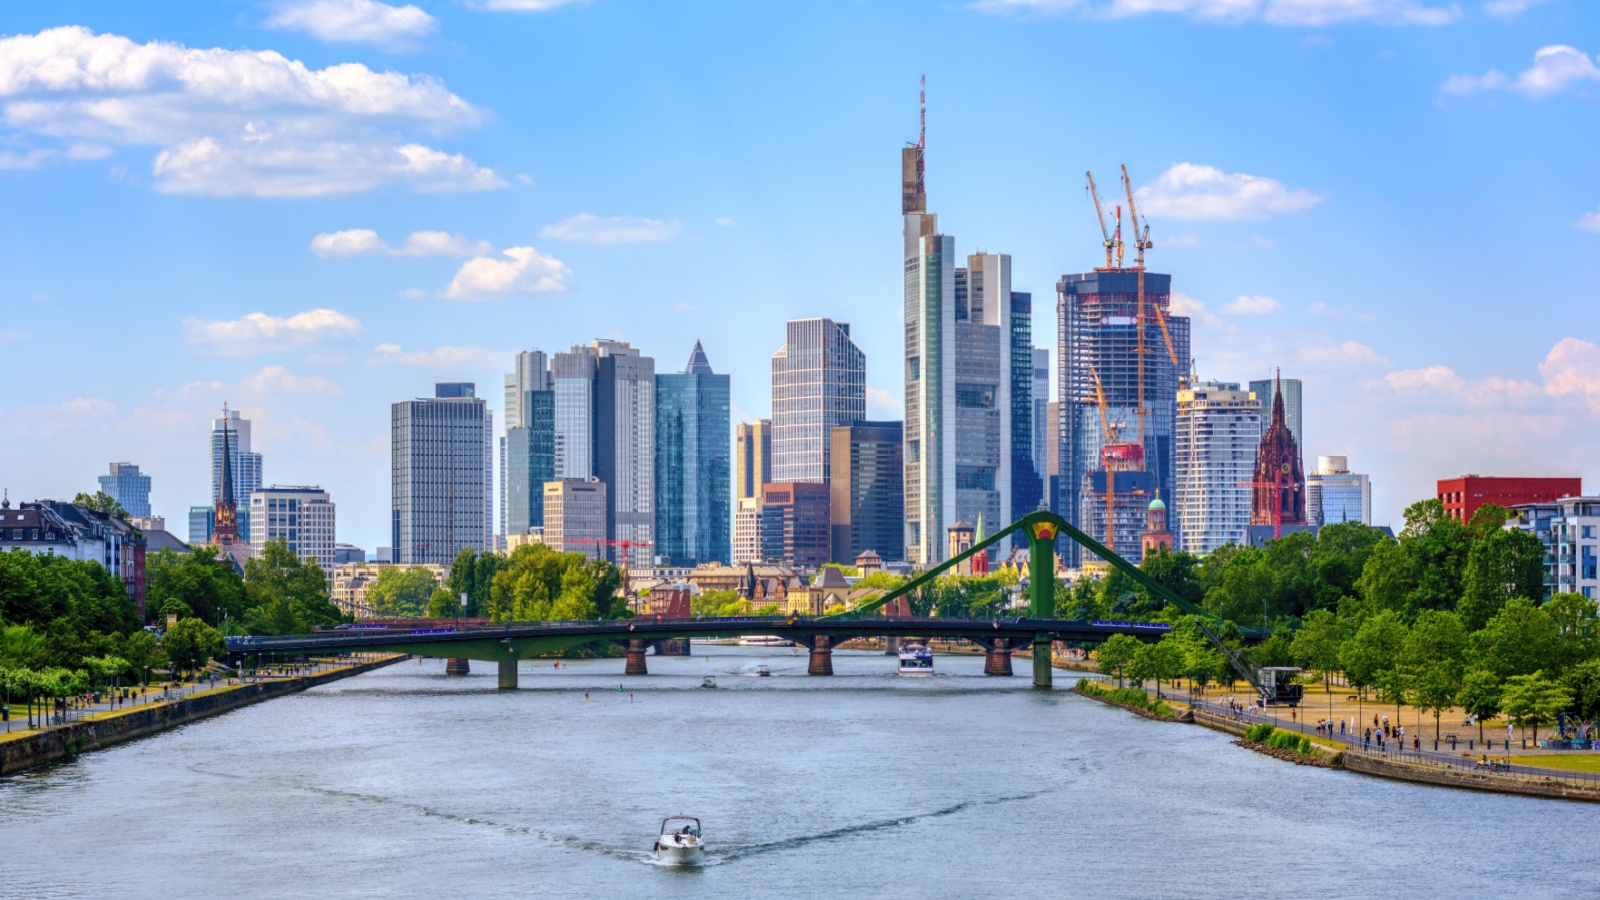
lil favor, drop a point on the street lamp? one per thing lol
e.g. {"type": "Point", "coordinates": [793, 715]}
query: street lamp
{"type": "Point", "coordinates": [463, 610]}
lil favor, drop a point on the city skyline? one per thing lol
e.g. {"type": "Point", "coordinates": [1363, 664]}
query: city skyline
{"type": "Point", "coordinates": [294, 294]}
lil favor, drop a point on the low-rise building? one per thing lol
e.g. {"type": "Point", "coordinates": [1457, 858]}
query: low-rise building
{"type": "Point", "coordinates": [1570, 531]}
{"type": "Point", "coordinates": [77, 532]}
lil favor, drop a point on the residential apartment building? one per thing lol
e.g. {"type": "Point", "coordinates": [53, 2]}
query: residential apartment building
{"type": "Point", "coordinates": [131, 489]}
{"type": "Point", "coordinates": [441, 475]}
{"type": "Point", "coordinates": [300, 517]}
{"type": "Point", "coordinates": [1217, 435]}
{"type": "Point", "coordinates": [1464, 495]}
{"type": "Point", "coordinates": [58, 528]}
{"type": "Point", "coordinates": [819, 380]}
{"type": "Point", "coordinates": [747, 531]}
{"type": "Point", "coordinates": [1570, 531]}
{"type": "Point", "coordinates": [866, 491]}
{"type": "Point", "coordinates": [692, 465]}
{"type": "Point", "coordinates": [575, 517]}
{"type": "Point", "coordinates": [1335, 494]}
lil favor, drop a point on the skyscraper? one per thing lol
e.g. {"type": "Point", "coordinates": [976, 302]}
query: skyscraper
{"type": "Point", "coordinates": [747, 531]}
{"type": "Point", "coordinates": [574, 373]}
{"type": "Point", "coordinates": [624, 447]}
{"type": "Point", "coordinates": [442, 473]}
{"type": "Point", "coordinates": [692, 478]}
{"type": "Point", "coordinates": [1291, 390]}
{"type": "Point", "coordinates": [1219, 428]}
{"type": "Point", "coordinates": [1042, 445]}
{"type": "Point", "coordinates": [752, 458]}
{"type": "Point", "coordinates": [866, 491]}
{"type": "Point", "coordinates": [1026, 485]}
{"type": "Point", "coordinates": [244, 464]}
{"type": "Point", "coordinates": [794, 524]}
{"type": "Point", "coordinates": [129, 488]}
{"type": "Point", "coordinates": [1099, 332]}
{"type": "Point", "coordinates": [575, 516]}
{"type": "Point", "coordinates": [527, 451]}
{"type": "Point", "coordinates": [300, 517]}
{"type": "Point", "coordinates": [819, 380]}
{"type": "Point", "coordinates": [1335, 494]}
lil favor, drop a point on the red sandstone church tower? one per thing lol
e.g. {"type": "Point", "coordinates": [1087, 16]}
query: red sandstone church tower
{"type": "Point", "coordinates": [1279, 496]}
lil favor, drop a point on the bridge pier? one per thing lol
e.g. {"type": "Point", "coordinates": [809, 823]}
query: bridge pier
{"type": "Point", "coordinates": [636, 651]}
{"type": "Point", "coordinates": [997, 658]}
{"type": "Point", "coordinates": [455, 666]}
{"type": "Point", "coordinates": [821, 656]}
{"type": "Point", "coordinates": [508, 674]}
{"type": "Point", "coordinates": [674, 647]}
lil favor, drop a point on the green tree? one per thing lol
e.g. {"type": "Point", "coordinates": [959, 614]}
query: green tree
{"type": "Point", "coordinates": [1501, 565]}
{"type": "Point", "coordinates": [102, 502]}
{"type": "Point", "coordinates": [1318, 645]}
{"type": "Point", "coordinates": [21, 647]}
{"type": "Point", "coordinates": [201, 584]}
{"type": "Point", "coordinates": [1162, 661]}
{"type": "Point", "coordinates": [1518, 640]}
{"type": "Point", "coordinates": [1374, 650]}
{"type": "Point", "coordinates": [1574, 617]}
{"type": "Point", "coordinates": [1583, 682]}
{"type": "Point", "coordinates": [401, 592]}
{"type": "Point", "coordinates": [1480, 697]}
{"type": "Point", "coordinates": [442, 604]}
{"type": "Point", "coordinates": [286, 593]}
{"type": "Point", "coordinates": [1432, 661]}
{"type": "Point", "coordinates": [191, 642]}
{"type": "Point", "coordinates": [717, 604]}
{"type": "Point", "coordinates": [1176, 571]}
{"type": "Point", "coordinates": [538, 584]}
{"type": "Point", "coordinates": [143, 653]}
{"type": "Point", "coordinates": [1534, 700]}
{"type": "Point", "coordinates": [1116, 653]}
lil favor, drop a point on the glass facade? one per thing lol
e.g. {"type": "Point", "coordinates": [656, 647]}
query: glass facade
{"type": "Point", "coordinates": [129, 488]}
{"type": "Point", "coordinates": [692, 466]}
{"type": "Point", "coordinates": [442, 475]}
{"type": "Point", "coordinates": [244, 466]}
{"type": "Point", "coordinates": [819, 380]}
{"type": "Point", "coordinates": [794, 524]}
{"type": "Point", "coordinates": [624, 456]}
{"type": "Point", "coordinates": [530, 462]}
{"type": "Point", "coordinates": [1026, 486]}
{"type": "Point", "coordinates": [867, 496]}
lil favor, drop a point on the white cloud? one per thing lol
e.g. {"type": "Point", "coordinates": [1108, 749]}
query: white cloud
{"type": "Point", "coordinates": [365, 242]}
{"type": "Point", "coordinates": [525, 5]}
{"type": "Point", "coordinates": [882, 402]}
{"type": "Point", "coordinates": [1350, 354]}
{"type": "Point", "coordinates": [235, 122]}
{"type": "Point", "coordinates": [88, 406]}
{"type": "Point", "coordinates": [1589, 221]}
{"type": "Point", "coordinates": [275, 379]}
{"type": "Point", "coordinates": [1253, 306]}
{"type": "Point", "coordinates": [1507, 9]}
{"type": "Point", "coordinates": [413, 293]}
{"type": "Point", "coordinates": [355, 21]}
{"type": "Point", "coordinates": [440, 357]}
{"type": "Point", "coordinates": [724, 221]}
{"type": "Point", "coordinates": [1441, 384]}
{"type": "Point", "coordinates": [589, 228]}
{"type": "Point", "coordinates": [259, 332]}
{"type": "Point", "coordinates": [1184, 305]}
{"type": "Point", "coordinates": [523, 270]}
{"type": "Point", "coordinates": [1555, 68]}
{"type": "Point", "coordinates": [1275, 12]}
{"type": "Point", "coordinates": [1572, 368]}
{"type": "Point", "coordinates": [1188, 191]}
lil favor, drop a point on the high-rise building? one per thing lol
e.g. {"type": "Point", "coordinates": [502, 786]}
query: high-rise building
{"type": "Point", "coordinates": [819, 380]}
{"type": "Point", "coordinates": [625, 448]}
{"type": "Point", "coordinates": [1052, 457]}
{"type": "Point", "coordinates": [1279, 486]}
{"type": "Point", "coordinates": [442, 475]}
{"type": "Point", "coordinates": [867, 497]}
{"type": "Point", "coordinates": [747, 531]}
{"type": "Point", "coordinates": [1335, 494]}
{"type": "Point", "coordinates": [300, 517]}
{"type": "Point", "coordinates": [1101, 330]}
{"type": "Point", "coordinates": [527, 451]}
{"type": "Point", "coordinates": [692, 477]}
{"type": "Point", "coordinates": [1291, 390]}
{"type": "Point", "coordinates": [1042, 447]}
{"type": "Point", "coordinates": [1464, 495]}
{"type": "Point", "coordinates": [794, 524]}
{"type": "Point", "coordinates": [575, 517]}
{"type": "Point", "coordinates": [1218, 432]}
{"type": "Point", "coordinates": [963, 358]}
{"type": "Point", "coordinates": [752, 458]}
{"type": "Point", "coordinates": [202, 519]}
{"type": "Point", "coordinates": [574, 373]}
{"type": "Point", "coordinates": [1027, 487]}
{"type": "Point", "coordinates": [129, 488]}
{"type": "Point", "coordinates": [244, 464]}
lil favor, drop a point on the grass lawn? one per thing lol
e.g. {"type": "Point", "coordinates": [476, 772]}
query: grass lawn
{"type": "Point", "coordinates": [1578, 761]}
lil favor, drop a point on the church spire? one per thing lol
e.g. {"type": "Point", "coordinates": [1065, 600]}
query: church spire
{"type": "Point", "coordinates": [225, 531]}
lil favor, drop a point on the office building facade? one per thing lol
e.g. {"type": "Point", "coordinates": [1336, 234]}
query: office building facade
{"type": "Point", "coordinates": [819, 380]}
{"type": "Point", "coordinates": [1043, 447]}
{"type": "Point", "coordinates": [625, 449]}
{"type": "Point", "coordinates": [575, 517]}
{"type": "Point", "coordinates": [1218, 432]}
{"type": "Point", "coordinates": [747, 531]}
{"type": "Point", "coordinates": [1027, 487]}
{"type": "Point", "coordinates": [794, 524]}
{"type": "Point", "coordinates": [303, 518]}
{"type": "Point", "coordinates": [130, 488]}
{"type": "Point", "coordinates": [1335, 494]}
{"type": "Point", "coordinates": [442, 476]}
{"type": "Point", "coordinates": [530, 373]}
{"type": "Point", "coordinates": [1463, 496]}
{"type": "Point", "coordinates": [692, 465]}
{"type": "Point", "coordinates": [866, 491]}
{"type": "Point", "coordinates": [752, 459]}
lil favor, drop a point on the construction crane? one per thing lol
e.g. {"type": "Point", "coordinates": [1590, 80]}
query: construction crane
{"type": "Point", "coordinates": [1107, 241]}
{"type": "Point", "coordinates": [1115, 454]}
{"type": "Point", "coordinates": [1141, 243]}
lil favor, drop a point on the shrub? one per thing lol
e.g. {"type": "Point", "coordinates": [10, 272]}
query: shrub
{"type": "Point", "coordinates": [1257, 733]}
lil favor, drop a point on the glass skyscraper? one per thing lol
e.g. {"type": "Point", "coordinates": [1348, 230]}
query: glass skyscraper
{"type": "Point", "coordinates": [129, 488]}
{"type": "Point", "coordinates": [442, 475]}
{"type": "Point", "coordinates": [819, 380]}
{"type": "Point", "coordinates": [692, 465]}
{"type": "Point", "coordinates": [531, 372]}
{"type": "Point", "coordinates": [1026, 485]}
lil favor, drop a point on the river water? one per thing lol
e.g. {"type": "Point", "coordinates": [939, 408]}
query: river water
{"type": "Point", "coordinates": [405, 782]}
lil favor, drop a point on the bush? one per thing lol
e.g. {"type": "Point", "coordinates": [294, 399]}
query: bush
{"type": "Point", "coordinates": [1256, 734]}
{"type": "Point", "coordinates": [1282, 740]}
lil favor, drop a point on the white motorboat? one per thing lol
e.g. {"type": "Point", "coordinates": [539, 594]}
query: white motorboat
{"type": "Point", "coordinates": [915, 659]}
{"type": "Point", "coordinates": [763, 671]}
{"type": "Point", "coordinates": [764, 640]}
{"type": "Point", "coordinates": [710, 681]}
{"type": "Point", "coordinates": [680, 842]}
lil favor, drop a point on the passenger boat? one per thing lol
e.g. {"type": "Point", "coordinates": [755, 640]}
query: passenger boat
{"type": "Point", "coordinates": [915, 659]}
{"type": "Point", "coordinates": [764, 640]}
{"type": "Point", "coordinates": [680, 842]}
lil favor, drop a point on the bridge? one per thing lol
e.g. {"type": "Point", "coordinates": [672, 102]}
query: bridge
{"type": "Point", "coordinates": [508, 644]}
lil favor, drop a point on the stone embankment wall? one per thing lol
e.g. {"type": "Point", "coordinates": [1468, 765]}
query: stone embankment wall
{"type": "Point", "coordinates": [1478, 781]}
{"type": "Point", "coordinates": [69, 740]}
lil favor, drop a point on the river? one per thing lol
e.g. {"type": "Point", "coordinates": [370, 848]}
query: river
{"type": "Point", "coordinates": [406, 782]}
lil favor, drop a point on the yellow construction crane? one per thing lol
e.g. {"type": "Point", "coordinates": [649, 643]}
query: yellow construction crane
{"type": "Point", "coordinates": [1111, 244]}
{"type": "Point", "coordinates": [1141, 243]}
{"type": "Point", "coordinates": [1115, 454]}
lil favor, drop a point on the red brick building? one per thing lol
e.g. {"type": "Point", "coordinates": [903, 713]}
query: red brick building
{"type": "Point", "coordinates": [1463, 496]}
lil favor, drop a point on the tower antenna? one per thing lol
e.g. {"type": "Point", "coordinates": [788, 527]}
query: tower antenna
{"type": "Point", "coordinates": [922, 133]}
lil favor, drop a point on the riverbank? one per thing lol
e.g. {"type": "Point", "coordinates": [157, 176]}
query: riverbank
{"type": "Point", "coordinates": [39, 748]}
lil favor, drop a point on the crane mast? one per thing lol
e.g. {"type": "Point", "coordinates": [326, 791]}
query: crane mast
{"type": "Point", "coordinates": [1105, 233]}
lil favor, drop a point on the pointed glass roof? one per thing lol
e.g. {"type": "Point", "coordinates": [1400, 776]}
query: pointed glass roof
{"type": "Point", "coordinates": [698, 364]}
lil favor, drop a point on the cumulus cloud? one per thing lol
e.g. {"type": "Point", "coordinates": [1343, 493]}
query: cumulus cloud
{"type": "Point", "coordinates": [1572, 369]}
{"type": "Point", "coordinates": [1508, 9]}
{"type": "Point", "coordinates": [1189, 191]}
{"type": "Point", "coordinates": [1441, 384]}
{"type": "Point", "coordinates": [1349, 354]}
{"type": "Point", "coordinates": [1253, 306]}
{"type": "Point", "coordinates": [881, 401]}
{"type": "Point", "coordinates": [1589, 221]}
{"type": "Point", "coordinates": [440, 357]}
{"type": "Point", "coordinates": [355, 21]}
{"type": "Point", "coordinates": [365, 242]}
{"type": "Point", "coordinates": [259, 332]}
{"type": "Point", "coordinates": [234, 122]}
{"type": "Point", "coordinates": [1184, 305]}
{"type": "Point", "coordinates": [588, 228]}
{"type": "Point", "coordinates": [1274, 12]}
{"type": "Point", "coordinates": [521, 270]}
{"type": "Point", "coordinates": [524, 5]}
{"type": "Point", "coordinates": [275, 379]}
{"type": "Point", "coordinates": [88, 406]}
{"type": "Point", "coordinates": [1555, 69]}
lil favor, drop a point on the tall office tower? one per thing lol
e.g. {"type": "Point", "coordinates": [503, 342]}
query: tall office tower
{"type": "Point", "coordinates": [1290, 388]}
{"type": "Point", "coordinates": [1279, 486]}
{"type": "Point", "coordinates": [1099, 325]}
{"type": "Point", "coordinates": [575, 516]}
{"type": "Point", "coordinates": [692, 477]}
{"type": "Point", "coordinates": [530, 372]}
{"type": "Point", "coordinates": [752, 458]}
{"type": "Point", "coordinates": [202, 520]}
{"type": "Point", "coordinates": [1026, 485]}
{"type": "Point", "coordinates": [819, 380]}
{"type": "Point", "coordinates": [1335, 494]}
{"type": "Point", "coordinates": [1052, 457]}
{"type": "Point", "coordinates": [747, 531]}
{"type": "Point", "coordinates": [574, 373]}
{"type": "Point", "coordinates": [866, 492]}
{"type": "Point", "coordinates": [1042, 446]}
{"type": "Point", "coordinates": [1219, 428]}
{"type": "Point", "coordinates": [244, 464]}
{"type": "Point", "coordinates": [794, 524]}
{"type": "Point", "coordinates": [300, 517]}
{"type": "Point", "coordinates": [129, 488]}
{"type": "Point", "coordinates": [527, 451]}
{"type": "Point", "coordinates": [442, 470]}
{"type": "Point", "coordinates": [624, 448]}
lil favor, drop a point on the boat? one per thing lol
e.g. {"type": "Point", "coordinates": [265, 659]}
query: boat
{"type": "Point", "coordinates": [680, 842]}
{"type": "Point", "coordinates": [710, 681]}
{"type": "Point", "coordinates": [915, 659]}
{"type": "Point", "coordinates": [764, 640]}
{"type": "Point", "coordinates": [763, 671]}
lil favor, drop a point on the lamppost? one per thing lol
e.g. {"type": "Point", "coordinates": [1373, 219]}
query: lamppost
{"type": "Point", "coordinates": [463, 610]}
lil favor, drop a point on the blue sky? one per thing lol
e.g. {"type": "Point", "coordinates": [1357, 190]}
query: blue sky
{"type": "Point", "coordinates": [314, 208]}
